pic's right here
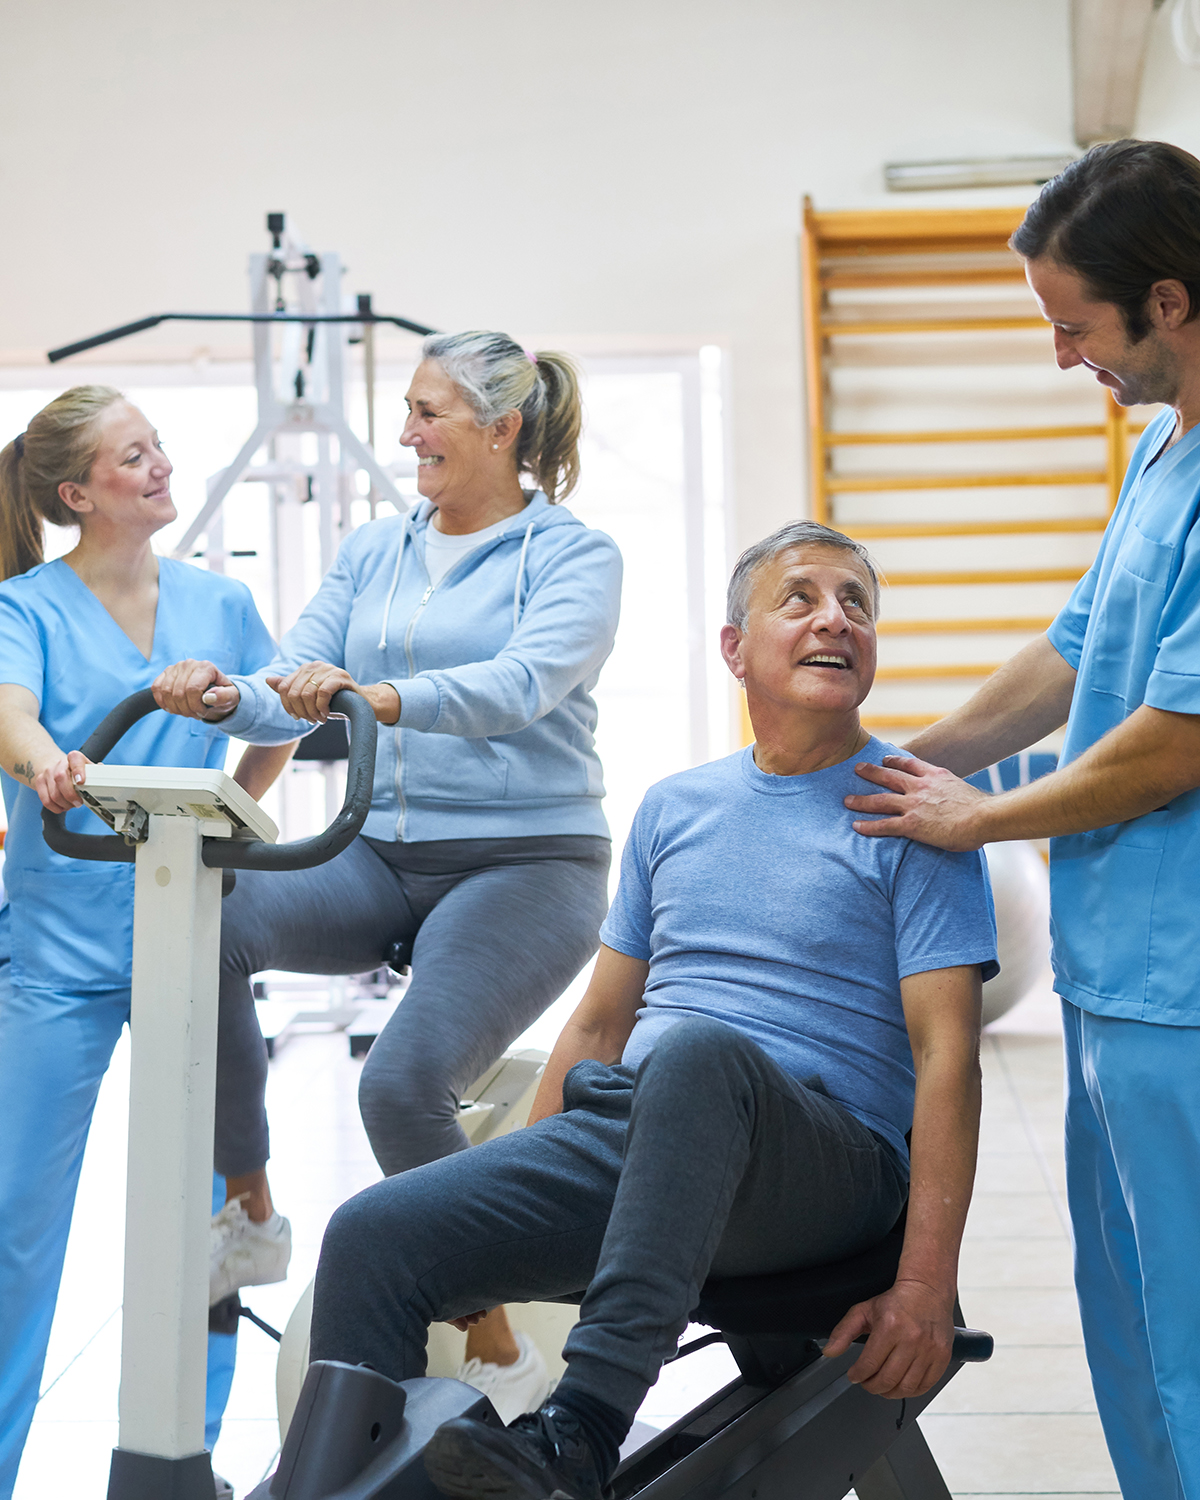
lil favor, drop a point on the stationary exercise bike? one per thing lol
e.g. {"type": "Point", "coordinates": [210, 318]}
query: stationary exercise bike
{"type": "Point", "coordinates": [790, 1427]}
{"type": "Point", "coordinates": [186, 831]}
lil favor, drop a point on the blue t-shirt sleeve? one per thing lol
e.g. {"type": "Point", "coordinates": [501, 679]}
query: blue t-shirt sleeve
{"type": "Point", "coordinates": [627, 927]}
{"type": "Point", "coordinates": [22, 650]}
{"type": "Point", "coordinates": [1174, 683]}
{"type": "Point", "coordinates": [942, 908]}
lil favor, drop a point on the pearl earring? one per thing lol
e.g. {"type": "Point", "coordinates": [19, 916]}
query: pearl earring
{"type": "Point", "coordinates": [495, 447]}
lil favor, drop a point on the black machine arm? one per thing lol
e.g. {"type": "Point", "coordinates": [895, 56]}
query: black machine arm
{"type": "Point", "coordinates": [111, 335]}
{"type": "Point", "coordinates": [239, 854]}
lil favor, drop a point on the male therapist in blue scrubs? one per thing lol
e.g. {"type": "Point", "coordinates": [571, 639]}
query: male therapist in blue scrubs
{"type": "Point", "coordinates": [1112, 253]}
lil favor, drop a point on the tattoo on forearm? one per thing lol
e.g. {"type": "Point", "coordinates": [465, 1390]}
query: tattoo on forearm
{"type": "Point", "coordinates": [25, 770]}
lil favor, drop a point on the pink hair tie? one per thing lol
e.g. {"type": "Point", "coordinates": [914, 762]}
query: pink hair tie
{"type": "Point", "coordinates": [532, 358]}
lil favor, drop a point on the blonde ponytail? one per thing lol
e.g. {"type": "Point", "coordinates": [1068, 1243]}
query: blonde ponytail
{"type": "Point", "coordinates": [59, 445]}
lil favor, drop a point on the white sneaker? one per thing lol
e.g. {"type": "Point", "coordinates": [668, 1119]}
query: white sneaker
{"type": "Point", "coordinates": [512, 1389]}
{"type": "Point", "coordinates": [244, 1253]}
{"type": "Point", "coordinates": [222, 1487]}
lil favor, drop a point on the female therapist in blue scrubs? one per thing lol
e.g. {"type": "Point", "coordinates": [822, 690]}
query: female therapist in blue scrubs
{"type": "Point", "coordinates": [76, 636]}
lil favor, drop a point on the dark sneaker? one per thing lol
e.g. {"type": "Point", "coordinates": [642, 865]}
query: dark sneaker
{"type": "Point", "coordinates": [542, 1456]}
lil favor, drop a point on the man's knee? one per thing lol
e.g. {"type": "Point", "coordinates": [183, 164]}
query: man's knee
{"type": "Point", "coordinates": [699, 1046]}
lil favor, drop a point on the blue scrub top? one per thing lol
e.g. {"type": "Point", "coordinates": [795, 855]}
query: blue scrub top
{"type": "Point", "coordinates": [72, 920]}
{"type": "Point", "coordinates": [1125, 900]}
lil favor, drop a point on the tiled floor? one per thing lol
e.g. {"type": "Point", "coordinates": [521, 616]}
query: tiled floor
{"type": "Point", "coordinates": [1024, 1424]}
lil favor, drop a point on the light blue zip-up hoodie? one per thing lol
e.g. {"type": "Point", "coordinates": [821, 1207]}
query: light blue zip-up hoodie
{"type": "Point", "coordinates": [494, 666]}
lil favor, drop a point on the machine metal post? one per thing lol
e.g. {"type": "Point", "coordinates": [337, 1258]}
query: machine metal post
{"type": "Point", "coordinates": [173, 1022]}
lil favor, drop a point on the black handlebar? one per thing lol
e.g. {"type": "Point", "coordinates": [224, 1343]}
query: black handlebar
{"type": "Point", "coordinates": [238, 854]}
{"type": "Point", "coordinates": [972, 1346]}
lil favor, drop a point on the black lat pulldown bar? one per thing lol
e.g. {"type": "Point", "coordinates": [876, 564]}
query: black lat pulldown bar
{"type": "Point", "coordinates": [111, 336]}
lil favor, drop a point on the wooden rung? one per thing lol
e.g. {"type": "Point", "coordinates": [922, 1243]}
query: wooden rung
{"type": "Point", "coordinates": [956, 669]}
{"type": "Point", "coordinates": [974, 528]}
{"type": "Point", "coordinates": [846, 484]}
{"type": "Point", "coordinates": [999, 575]}
{"type": "Point", "coordinates": [964, 435]}
{"type": "Point", "coordinates": [899, 721]}
{"type": "Point", "coordinates": [1016, 624]}
{"type": "Point", "coordinates": [930, 325]}
{"type": "Point", "coordinates": [835, 277]}
{"type": "Point", "coordinates": [929, 227]}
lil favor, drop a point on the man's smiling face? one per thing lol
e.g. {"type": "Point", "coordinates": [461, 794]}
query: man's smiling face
{"type": "Point", "coordinates": [809, 638]}
{"type": "Point", "coordinates": [1094, 334]}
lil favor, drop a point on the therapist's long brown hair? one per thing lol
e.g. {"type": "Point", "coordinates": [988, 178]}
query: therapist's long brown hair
{"type": "Point", "coordinates": [59, 445]}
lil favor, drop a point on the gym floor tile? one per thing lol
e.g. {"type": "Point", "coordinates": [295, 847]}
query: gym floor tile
{"type": "Point", "coordinates": [1020, 1453]}
{"type": "Point", "coordinates": [1014, 1262]}
{"type": "Point", "coordinates": [1026, 1315]}
{"type": "Point", "coordinates": [1020, 1380]}
{"type": "Point", "coordinates": [1008, 1215]}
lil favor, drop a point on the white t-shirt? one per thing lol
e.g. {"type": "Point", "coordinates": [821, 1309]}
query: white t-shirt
{"type": "Point", "coordinates": [442, 551]}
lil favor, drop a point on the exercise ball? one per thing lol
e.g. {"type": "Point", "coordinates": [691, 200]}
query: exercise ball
{"type": "Point", "coordinates": [1021, 891]}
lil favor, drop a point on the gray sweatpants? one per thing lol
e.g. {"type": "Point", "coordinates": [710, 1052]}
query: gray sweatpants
{"type": "Point", "coordinates": [499, 928]}
{"type": "Point", "coordinates": [708, 1160]}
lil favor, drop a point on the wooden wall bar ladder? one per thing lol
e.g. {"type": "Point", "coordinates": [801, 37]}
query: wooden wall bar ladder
{"type": "Point", "coordinates": [895, 294]}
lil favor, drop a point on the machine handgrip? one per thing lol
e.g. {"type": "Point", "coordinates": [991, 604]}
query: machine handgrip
{"type": "Point", "coordinates": [303, 854]}
{"type": "Point", "coordinates": [106, 846]}
{"type": "Point", "coordinates": [254, 854]}
{"type": "Point", "coordinates": [972, 1346]}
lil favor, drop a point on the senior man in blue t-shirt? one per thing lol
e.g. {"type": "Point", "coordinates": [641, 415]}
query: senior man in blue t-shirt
{"type": "Point", "coordinates": [776, 1004]}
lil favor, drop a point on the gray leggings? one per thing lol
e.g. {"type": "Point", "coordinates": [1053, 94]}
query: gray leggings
{"type": "Point", "coordinates": [708, 1160]}
{"type": "Point", "coordinates": [499, 928]}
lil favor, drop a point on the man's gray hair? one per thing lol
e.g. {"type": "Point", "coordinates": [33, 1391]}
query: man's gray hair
{"type": "Point", "coordinates": [794, 534]}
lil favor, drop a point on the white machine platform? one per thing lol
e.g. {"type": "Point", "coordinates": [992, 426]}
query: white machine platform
{"type": "Point", "coordinates": [212, 798]}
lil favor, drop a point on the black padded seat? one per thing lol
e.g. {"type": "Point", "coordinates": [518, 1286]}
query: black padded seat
{"type": "Point", "coordinates": [808, 1303]}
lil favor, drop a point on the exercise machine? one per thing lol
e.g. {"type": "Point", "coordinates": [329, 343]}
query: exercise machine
{"type": "Point", "coordinates": [186, 831]}
{"type": "Point", "coordinates": [790, 1427]}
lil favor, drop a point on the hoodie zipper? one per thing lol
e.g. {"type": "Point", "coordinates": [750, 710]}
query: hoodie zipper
{"type": "Point", "coordinates": [408, 656]}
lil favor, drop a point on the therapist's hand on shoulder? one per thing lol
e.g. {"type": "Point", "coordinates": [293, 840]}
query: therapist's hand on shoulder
{"type": "Point", "coordinates": [920, 801]}
{"type": "Point", "coordinates": [57, 783]}
{"type": "Point", "coordinates": [195, 690]}
{"type": "Point", "coordinates": [306, 692]}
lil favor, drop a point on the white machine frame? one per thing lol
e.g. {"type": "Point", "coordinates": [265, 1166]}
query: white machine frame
{"type": "Point", "coordinates": [173, 1070]}
{"type": "Point", "coordinates": [301, 389]}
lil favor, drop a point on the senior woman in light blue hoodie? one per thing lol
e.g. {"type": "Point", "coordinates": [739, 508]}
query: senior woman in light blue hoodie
{"type": "Point", "coordinates": [476, 627]}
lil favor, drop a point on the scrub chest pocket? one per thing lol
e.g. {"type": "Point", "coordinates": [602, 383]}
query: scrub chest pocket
{"type": "Point", "coordinates": [1130, 616]}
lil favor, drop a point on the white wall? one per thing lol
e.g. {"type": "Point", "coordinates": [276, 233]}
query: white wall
{"type": "Point", "coordinates": [614, 176]}
{"type": "Point", "coordinates": [1169, 106]}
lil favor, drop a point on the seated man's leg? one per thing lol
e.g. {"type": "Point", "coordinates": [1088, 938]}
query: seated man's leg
{"type": "Point", "coordinates": [520, 1218]}
{"type": "Point", "coordinates": [730, 1167]}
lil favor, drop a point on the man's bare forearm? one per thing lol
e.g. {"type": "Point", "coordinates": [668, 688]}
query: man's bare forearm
{"type": "Point", "coordinates": [575, 1043]}
{"type": "Point", "coordinates": [1025, 700]}
{"type": "Point", "coordinates": [1138, 767]}
{"type": "Point", "coordinates": [945, 1140]}
{"type": "Point", "coordinates": [599, 1026]}
{"type": "Point", "coordinates": [942, 1010]}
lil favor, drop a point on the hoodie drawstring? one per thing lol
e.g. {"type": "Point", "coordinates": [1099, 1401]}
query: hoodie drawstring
{"type": "Point", "coordinates": [520, 575]}
{"type": "Point", "coordinates": [387, 606]}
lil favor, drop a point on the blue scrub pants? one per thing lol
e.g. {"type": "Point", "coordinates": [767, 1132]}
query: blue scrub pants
{"type": "Point", "coordinates": [1133, 1181]}
{"type": "Point", "coordinates": [54, 1050]}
